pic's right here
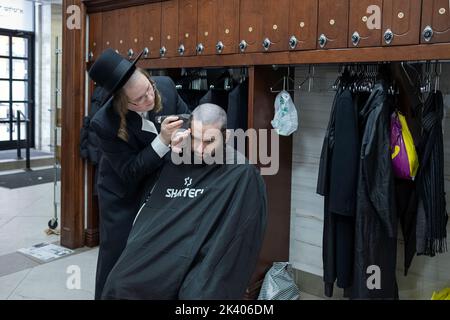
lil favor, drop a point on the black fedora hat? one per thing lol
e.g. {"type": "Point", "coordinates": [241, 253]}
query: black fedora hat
{"type": "Point", "coordinates": [111, 71]}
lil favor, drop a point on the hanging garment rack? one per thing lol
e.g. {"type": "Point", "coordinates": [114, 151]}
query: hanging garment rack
{"type": "Point", "coordinates": [309, 78]}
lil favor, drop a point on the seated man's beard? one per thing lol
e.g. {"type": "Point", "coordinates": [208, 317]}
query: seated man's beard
{"type": "Point", "coordinates": [200, 158]}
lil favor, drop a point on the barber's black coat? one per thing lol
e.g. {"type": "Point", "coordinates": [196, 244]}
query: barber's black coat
{"type": "Point", "coordinates": [124, 171]}
{"type": "Point", "coordinates": [187, 247]}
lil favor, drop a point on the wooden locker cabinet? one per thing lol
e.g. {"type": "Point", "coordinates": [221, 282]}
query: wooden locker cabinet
{"type": "Point", "coordinates": [333, 24]}
{"type": "Point", "coordinates": [365, 23]}
{"type": "Point", "coordinates": [169, 29]}
{"type": "Point", "coordinates": [151, 28]}
{"type": "Point", "coordinates": [110, 28]}
{"type": "Point", "coordinates": [303, 24]}
{"type": "Point", "coordinates": [250, 26]}
{"type": "Point", "coordinates": [187, 27]}
{"type": "Point", "coordinates": [227, 24]}
{"type": "Point", "coordinates": [435, 21]}
{"type": "Point", "coordinates": [206, 32]}
{"type": "Point", "coordinates": [134, 43]}
{"type": "Point", "coordinates": [275, 25]}
{"type": "Point", "coordinates": [95, 36]}
{"type": "Point", "coordinates": [123, 32]}
{"type": "Point", "coordinates": [401, 22]}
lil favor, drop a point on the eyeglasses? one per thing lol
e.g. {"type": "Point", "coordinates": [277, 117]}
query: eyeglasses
{"type": "Point", "coordinates": [143, 98]}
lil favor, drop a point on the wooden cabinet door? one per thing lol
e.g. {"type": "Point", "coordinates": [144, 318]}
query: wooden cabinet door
{"type": "Point", "coordinates": [151, 28]}
{"type": "Point", "coordinates": [123, 32]}
{"type": "Point", "coordinates": [401, 22]}
{"type": "Point", "coordinates": [227, 25]}
{"type": "Point", "coordinates": [303, 24]}
{"type": "Point", "coordinates": [134, 42]}
{"type": "Point", "coordinates": [95, 36]}
{"type": "Point", "coordinates": [333, 23]}
{"type": "Point", "coordinates": [435, 21]}
{"type": "Point", "coordinates": [365, 23]}
{"type": "Point", "coordinates": [187, 27]}
{"type": "Point", "coordinates": [169, 28]}
{"type": "Point", "coordinates": [110, 29]}
{"type": "Point", "coordinates": [275, 25]}
{"type": "Point", "coordinates": [250, 25]}
{"type": "Point", "coordinates": [206, 32]}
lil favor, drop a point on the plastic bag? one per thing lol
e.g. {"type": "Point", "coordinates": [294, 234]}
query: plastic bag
{"type": "Point", "coordinates": [285, 121]}
{"type": "Point", "coordinates": [405, 162]}
{"type": "Point", "coordinates": [279, 283]}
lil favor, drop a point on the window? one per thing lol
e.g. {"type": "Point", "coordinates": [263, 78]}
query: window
{"type": "Point", "coordinates": [16, 86]}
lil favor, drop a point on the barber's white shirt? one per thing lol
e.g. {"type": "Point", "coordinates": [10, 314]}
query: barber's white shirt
{"type": "Point", "coordinates": [160, 148]}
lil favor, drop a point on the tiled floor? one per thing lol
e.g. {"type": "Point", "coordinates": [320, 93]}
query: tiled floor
{"type": "Point", "coordinates": [24, 214]}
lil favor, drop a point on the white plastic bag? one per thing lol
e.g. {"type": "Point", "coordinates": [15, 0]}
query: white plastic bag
{"type": "Point", "coordinates": [285, 121]}
{"type": "Point", "coordinates": [279, 283]}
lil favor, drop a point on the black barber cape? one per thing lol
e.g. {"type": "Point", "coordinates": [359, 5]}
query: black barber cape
{"type": "Point", "coordinates": [197, 237]}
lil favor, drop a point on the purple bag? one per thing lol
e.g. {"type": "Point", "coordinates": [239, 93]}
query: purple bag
{"type": "Point", "coordinates": [404, 156]}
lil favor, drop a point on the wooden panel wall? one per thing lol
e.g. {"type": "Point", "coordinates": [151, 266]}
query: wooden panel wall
{"type": "Point", "coordinates": [261, 100]}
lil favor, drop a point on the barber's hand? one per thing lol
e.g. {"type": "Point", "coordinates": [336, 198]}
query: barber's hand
{"type": "Point", "coordinates": [179, 140]}
{"type": "Point", "coordinates": [168, 127]}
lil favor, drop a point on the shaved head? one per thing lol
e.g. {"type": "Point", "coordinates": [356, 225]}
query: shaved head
{"type": "Point", "coordinates": [210, 114]}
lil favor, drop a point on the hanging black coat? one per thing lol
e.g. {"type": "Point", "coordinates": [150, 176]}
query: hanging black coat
{"type": "Point", "coordinates": [432, 215]}
{"type": "Point", "coordinates": [237, 107]}
{"type": "Point", "coordinates": [376, 219]}
{"type": "Point", "coordinates": [197, 237]}
{"type": "Point", "coordinates": [341, 164]}
{"type": "Point", "coordinates": [125, 171]}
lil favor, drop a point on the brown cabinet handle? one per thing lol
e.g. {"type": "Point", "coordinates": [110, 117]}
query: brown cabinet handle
{"type": "Point", "coordinates": [323, 40]}
{"type": "Point", "coordinates": [266, 44]}
{"type": "Point", "coordinates": [146, 52]}
{"type": "Point", "coordinates": [181, 49]}
{"type": "Point", "coordinates": [219, 47]}
{"type": "Point", "coordinates": [428, 33]}
{"type": "Point", "coordinates": [162, 51]}
{"type": "Point", "coordinates": [243, 45]}
{"type": "Point", "coordinates": [200, 48]}
{"type": "Point", "coordinates": [130, 53]}
{"type": "Point", "coordinates": [388, 36]}
{"type": "Point", "coordinates": [293, 42]}
{"type": "Point", "coordinates": [356, 38]}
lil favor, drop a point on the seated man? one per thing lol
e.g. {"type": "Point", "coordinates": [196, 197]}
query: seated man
{"type": "Point", "coordinates": [199, 234]}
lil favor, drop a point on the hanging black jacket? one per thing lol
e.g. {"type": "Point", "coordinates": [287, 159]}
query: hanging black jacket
{"type": "Point", "coordinates": [237, 107]}
{"type": "Point", "coordinates": [432, 215]}
{"type": "Point", "coordinates": [126, 170]}
{"type": "Point", "coordinates": [341, 165]}
{"type": "Point", "coordinates": [376, 219]}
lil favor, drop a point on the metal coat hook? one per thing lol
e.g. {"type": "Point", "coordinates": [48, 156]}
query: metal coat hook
{"type": "Point", "coordinates": [309, 78]}
{"type": "Point", "coordinates": [285, 81]}
{"type": "Point", "coordinates": [407, 74]}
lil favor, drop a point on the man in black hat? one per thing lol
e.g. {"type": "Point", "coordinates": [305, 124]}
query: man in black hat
{"type": "Point", "coordinates": [132, 147]}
